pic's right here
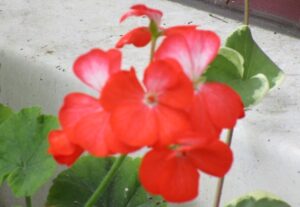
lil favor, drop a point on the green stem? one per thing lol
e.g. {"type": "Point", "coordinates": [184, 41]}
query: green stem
{"type": "Point", "coordinates": [105, 182]}
{"type": "Point", "coordinates": [153, 45]}
{"type": "Point", "coordinates": [246, 12]}
{"type": "Point", "coordinates": [221, 180]}
{"type": "Point", "coordinates": [28, 201]}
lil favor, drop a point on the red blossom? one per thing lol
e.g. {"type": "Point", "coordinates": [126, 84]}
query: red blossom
{"type": "Point", "coordinates": [144, 115]}
{"type": "Point", "coordinates": [178, 165]}
{"type": "Point", "coordinates": [85, 124]}
{"type": "Point", "coordinates": [142, 10]}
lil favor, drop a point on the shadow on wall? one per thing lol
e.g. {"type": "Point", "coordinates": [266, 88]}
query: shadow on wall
{"type": "Point", "coordinates": [219, 7]}
{"type": "Point", "coordinates": [25, 83]}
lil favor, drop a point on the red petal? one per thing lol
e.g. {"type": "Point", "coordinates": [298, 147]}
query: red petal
{"type": "Point", "coordinates": [151, 169]}
{"type": "Point", "coordinates": [178, 178]}
{"type": "Point", "coordinates": [142, 10]}
{"type": "Point", "coordinates": [166, 79]}
{"type": "Point", "coordinates": [95, 67]}
{"type": "Point", "coordinates": [201, 119]}
{"type": "Point", "coordinates": [132, 121]}
{"type": "Point", "coordinates": [170, 122]}
{"type": "Point", "coordinates": [182, 29]}
{"type": "Point", "coordinates": [223, 104]}
{"type": "Point", "coordinates": [135, 124]}
{"type": "Point", "coordinates": [214, 158]}
{"type": "Point", "coordinates": [193, 49]}
{"type": "Point", "coordinates": [121, 88]}
{"type": "Point", "coordinates": [139, 37]}
{"type": "Point", "coordinates": [75, 107]}
{"type": "Point", "coordinates": [63, 151]}
{"type": "Point", "coordinates": [91, 133]}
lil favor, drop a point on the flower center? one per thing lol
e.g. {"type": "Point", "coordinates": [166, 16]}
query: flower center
{"type": "Point", "coordinates": [151, 99]}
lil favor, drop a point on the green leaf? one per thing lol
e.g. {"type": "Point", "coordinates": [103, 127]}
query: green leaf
{"type": "Point", "coordinates": [228, 68]}
{"type": "Point", "coordinates": [75, 185]}
{"type": "Point", "coordinates": [5, 112]}
{"type": "Point", "coordinates": [24, 161]}
{"type": "Point", "coordinates": [256, 61]}
{"type": "Point", "coordinates": [258, 199]}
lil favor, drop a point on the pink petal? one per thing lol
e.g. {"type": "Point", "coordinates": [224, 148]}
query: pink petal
{"type": "Point", "coordinates": [204, 47]}
{"type": "Point", "coordinates": [176, 47]}
{"type": "Point", "coordinates": [96, 66]}
{"type": "Point", "coordinates": [193, 49]}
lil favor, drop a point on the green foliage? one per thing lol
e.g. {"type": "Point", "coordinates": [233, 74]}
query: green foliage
{"type": "Point", "coordinates": [74, 186]}
{"type": "Point", "coordinates": [5, 112]}
{"type": "Point", "coordinates": [256, 61]}
{"type": "Point", "coordinates": [245, 67]}
{"type": "Point", "coordinates": [258, 199]}
{"type": "Point", "coordinates": [24, 162]}
{"type": "Point", "coordinates": [228, 68]}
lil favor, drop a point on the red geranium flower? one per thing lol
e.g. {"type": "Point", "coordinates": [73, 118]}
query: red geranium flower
{"type": "Point", "coordinates": [85, 124]}
{"type": "Point", "coordinates": [215, 106]}
{"type": "Point", "coordinates": [148, 114]}
{"type": "Point", "coordinates": [178, 165]}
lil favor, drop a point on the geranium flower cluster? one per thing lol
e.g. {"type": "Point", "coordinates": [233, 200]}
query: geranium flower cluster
{"type": "Point", "coordinates": [172, 111]}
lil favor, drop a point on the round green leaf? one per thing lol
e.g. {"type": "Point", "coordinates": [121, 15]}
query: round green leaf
{"type": "Point", "coordinates": [75, 185]}
{"type": "Point", "coordinates": [24, 161]}
{"type": "Point", "coordinates": [258, 199]}
{"type": "Point", "coordinates": [251, 90]}
{"type": "Point", "coordinates": [5, 112]}
{"type": "Point", "coordinates": [256, 61]}
{"type": "Point", "coordinates": [228, 68]}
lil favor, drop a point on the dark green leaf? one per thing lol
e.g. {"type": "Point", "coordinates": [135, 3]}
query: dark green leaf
{"type": "Point", "coordinates": [256, 61]}
{"type": "Point", "coordinates": [74, 186]}
{"type": "Point", "coordinates": [24, 162]}
{"type": "Point", "coordinates": [258, 199]}
{"type": "Point", "coordinates": [5, 112]}
{"type": "Point", "coordinates": [228, 68]}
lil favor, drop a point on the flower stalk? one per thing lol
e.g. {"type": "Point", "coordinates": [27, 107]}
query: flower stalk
{"type": "Point", "coordinates": [105, 182]}
{"type": "Point", "coordinates": [246, 12]}
{"type": "Point", "coordinates": [220, 184]}
{"type": "Point", "coordinates": [28, 201]}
